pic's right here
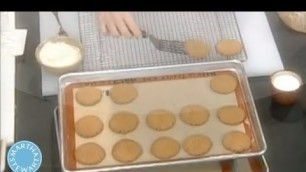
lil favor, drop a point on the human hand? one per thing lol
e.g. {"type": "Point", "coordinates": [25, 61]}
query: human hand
{"type": "Point", "coordinates": [118, 24]}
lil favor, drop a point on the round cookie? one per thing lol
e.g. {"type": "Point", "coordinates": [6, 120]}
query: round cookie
{"type": "Point", "coordinates": [89, 154]}
{"type": "Point", "coordinates": [165, 148]}
{"type": "Point", "coordinates": [123, 93]}
{"type": "Point", "coordinates": [236, 141]}
{"type": "Point", "coordinates": [197, 145]}
{"type": "Point", "coordinates": [231, 115]}
{"type": "Point", "coordinates": [123, 122]}
{"type": "Point", "coordinates": [223, 84]}
{"type": "Point", "coordinates": [229, 47]}
{"type": "Point", "coordinates": [89, 126]}
{"type": "Point", "coordinates": [88, 96]}
{"type": "Point", "coordinates": [160, 120]}
{"type": "Point", "coordinates": [197, 48]}
{"type": "Point", "coordinates": [126, 151]}
{"type": "Point", "coordinates": [194, 115]}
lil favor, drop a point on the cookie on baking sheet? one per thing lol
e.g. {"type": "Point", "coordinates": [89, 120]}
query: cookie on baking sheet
{"type": "Point", "coordinates": [88, 96]}
{"type": "Point", "coordinates": [223, 83]}
{"type": "Point", "coordinates": [229, 47]}
{"type": "Point", "coordinates": [123, 122]}
{"type": "Point", "coordinates": [89, 154]}
{"type": "Point", "coordinates": [89, 126]}
{"type": "Point", "coordinates": [165, 148]}
{"type": "Point", "coordinates": [231, 115]}
{"type": "Point", "coordinates": [197, 48]}
{"type": "Point", "coordinates": [160, 120]}
{"type": "Point", "coordinates": [126, 151]}
{"type": "Point", "coordinates": [236, 141]}
{"type": "Point", "coordinates": [197, 145]}
{"type": "Point", "coordinates": [123, 93]}
{"type": "Point", "coordinates": [194, 115]}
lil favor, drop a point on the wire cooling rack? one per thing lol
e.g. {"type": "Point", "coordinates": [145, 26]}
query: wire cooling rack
{"type": "Point", "coordinates": [109, 53]}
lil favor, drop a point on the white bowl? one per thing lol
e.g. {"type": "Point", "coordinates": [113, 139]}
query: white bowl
{"type": "Point", "coordinates": [73, 67]}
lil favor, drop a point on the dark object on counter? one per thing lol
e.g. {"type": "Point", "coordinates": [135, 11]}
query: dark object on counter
{"type": "Point", "coordinates": [289, 114]}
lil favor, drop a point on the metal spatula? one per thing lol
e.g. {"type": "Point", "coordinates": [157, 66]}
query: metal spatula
{"type": "Point", "coordinates": [166, 45]}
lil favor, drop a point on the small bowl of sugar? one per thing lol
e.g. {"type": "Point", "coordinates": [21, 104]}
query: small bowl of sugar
{"type": "Point", "coordinates": [60, 55]}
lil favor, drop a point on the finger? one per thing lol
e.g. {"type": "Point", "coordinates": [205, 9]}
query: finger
{"type": "Point", "coordinates": [112, 29]}
{"type": "Point", "coordinates": [103, 27]}
{"type": "Point", "coordinates": [132, 25]}
{"type": "Point", "coordinates": [110, 25]}
{"type": "Point", "coordinates": [101, 22]}
{"type": "Point", "coordinates": [121, 26]}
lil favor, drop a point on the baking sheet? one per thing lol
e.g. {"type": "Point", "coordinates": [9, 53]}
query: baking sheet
{"type": "Point", "coordinates": [253, 164]}
{"type": "Point", "coordinates": [69, 81]}
{"type": "Point", "coordinates": [171, 95]}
